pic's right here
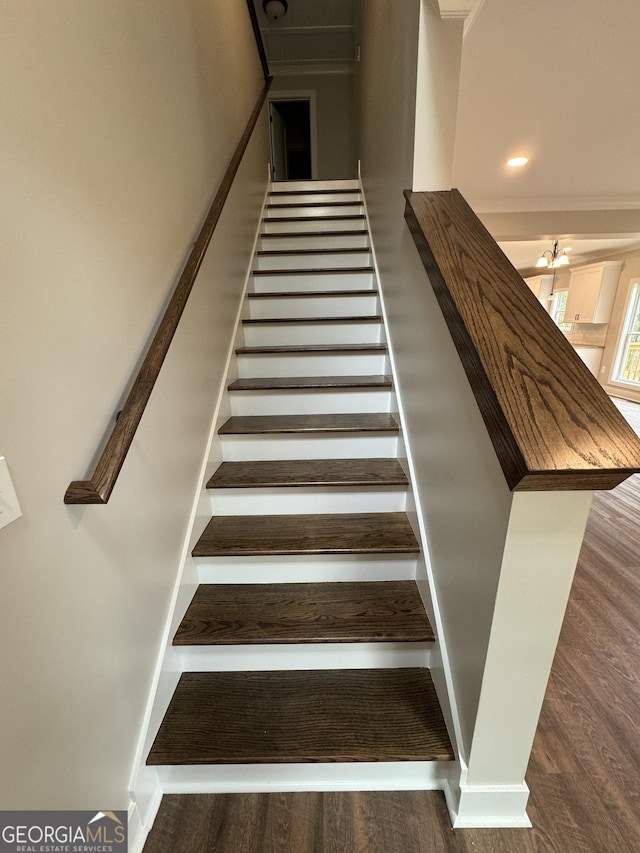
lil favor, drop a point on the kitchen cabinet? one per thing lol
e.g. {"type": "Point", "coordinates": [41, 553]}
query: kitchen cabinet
{"type": "Point", "coordinates": [541, 285]}
{"type": "Point", "coordinates": [592, 290]}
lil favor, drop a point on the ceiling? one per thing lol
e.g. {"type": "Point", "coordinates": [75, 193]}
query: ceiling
{"type": "Point", "coordinates": [314, 36]}
{"type": "Point", "coordinates": [555, 80]}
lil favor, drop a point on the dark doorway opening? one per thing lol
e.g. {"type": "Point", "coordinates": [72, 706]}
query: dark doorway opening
{"type": "Point", "coordinates": [290, 140]}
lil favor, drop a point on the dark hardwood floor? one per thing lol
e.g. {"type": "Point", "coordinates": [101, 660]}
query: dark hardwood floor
{"type": "Point", "coordinates": [584, 772]}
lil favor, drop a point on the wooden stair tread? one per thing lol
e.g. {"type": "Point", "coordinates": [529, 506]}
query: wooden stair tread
{"type": "Point", "coordinates": [307, 382]}
{"type": "Point", "coordinates": [311, 204]}
{"type": "Point", "coordinates": [338, 218]}
{"type": "Point", "coordinates": [369, 318]}
{"type": "Point", "coordinates": [308, 472]}
{"type": "Point", "coordinates": [314, 271]}
{"type": "Point", "coordinates": [317, 191]}
{"type": "Point", "coordinates": [327, 533]}
{"type": "Point", "coordinates": [302, 348]}
{"type": "Point", "coordinates": [334, 422]}
{"type": "Point", "coordinates": [364, 612]}
{"type": "Point", "coordinates": [306, 294]}
{"type": "Point", "coordinates": [360, 232]}
{"type": "Point", "coordinates": [302, 716]}
{"type": "Point", "coordinates": [270, 253]}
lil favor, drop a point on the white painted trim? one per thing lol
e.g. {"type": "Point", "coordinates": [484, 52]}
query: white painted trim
{"type": "Point", "coordinates": [487, 806]}
{"type": "Point", "coordinates": [138, 829]}
{"type": "Point", "coordinates": [265, 778]}
{"type": "Point", "coordinates": [300, 69]}
{"type": "Point", "coordinates": [455, 9]}
{"type": "Point", "coordinates": [143, 782]}
{"type": "Point", "coordinates": [301, 95]}
{"type": "Point", "coordinates": [536, 205]}
{"type": "Point", "coordinates": [471, 18]}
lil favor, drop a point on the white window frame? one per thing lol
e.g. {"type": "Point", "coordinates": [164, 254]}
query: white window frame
{"type": "Point", "coordinates": [622, 345]}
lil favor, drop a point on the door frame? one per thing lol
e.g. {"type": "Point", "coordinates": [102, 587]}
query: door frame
{"type": "Point", "coordinates": [300, 95]}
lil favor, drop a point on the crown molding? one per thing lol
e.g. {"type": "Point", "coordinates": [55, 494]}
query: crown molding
{"type": "Point", "coordinates": [286, 68]}
{"type": "Point", "coordinates": [455, 9]}
{"type": "Point", "coordinates": [544, 205]}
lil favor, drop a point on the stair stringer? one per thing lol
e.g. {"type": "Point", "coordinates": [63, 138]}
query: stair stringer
{"type": "Point", "coordinates": [145, 786]}
{"type": "Point", "coordinates": [259, 777]}
{"type": "Point", "coordinates": [440, 667]}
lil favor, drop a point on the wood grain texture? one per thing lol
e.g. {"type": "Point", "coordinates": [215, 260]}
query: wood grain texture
{"type": "Point", "coordinates": [230, 614]}
{"type": "Point", "coordinates": [311, 204]}
{"type": "Point", "coordinates": [308, 472]}
{"type": "Point", "coordinates": [273, 253]}
{"type": "Point", "coordinates": [97, 489]}
{"type": "Point", "coordinates": [583, 773]}
{"type": "Point", "coordinates": [318, 271]}
{"type": "Point", "coordinates": [318, 191]}
{"type": "Point", "coordinates": [308, 382]}
{"type": "Point", "coordinates": [345, 533]}
{"type": "Point", "coordinates": [336, 422]}
{"type": "Point", "coordinates": [287, 235]}
{"type": "Point", "coordinates": [340, 218]}
{"type": "Point", "coordinates": [296, 716]}
{"type": "Point", "coordinates": [312, 294]}
{"type": "Point", "coordinates": [270, 321]}
{"type": "Point", "coordinates": [303, 348]}
{"type": "Point", "coordinates": [551, 423]}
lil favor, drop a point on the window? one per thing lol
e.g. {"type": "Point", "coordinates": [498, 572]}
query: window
{"type": "Point", "coordinates": [627, 367]}
{"type": "Point", "coordinates": [558, 307]}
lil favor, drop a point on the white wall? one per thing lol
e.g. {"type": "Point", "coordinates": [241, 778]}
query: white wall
{"type": "Point", "coordinates": [335, 107]}
{"type": "Point", "coordinates": [464, 496]}
{"type": "Point", "coordinates": [115, 133]}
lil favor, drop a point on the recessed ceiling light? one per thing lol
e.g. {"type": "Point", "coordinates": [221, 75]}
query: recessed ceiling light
{"type": "Point", "coordinates": [516, 162]}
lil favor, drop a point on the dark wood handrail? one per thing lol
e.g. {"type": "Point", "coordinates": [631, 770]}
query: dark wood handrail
{"type": "Point", "coordinates": [551, 423]}
{"type": "Point", "coordinates": [97, 489]}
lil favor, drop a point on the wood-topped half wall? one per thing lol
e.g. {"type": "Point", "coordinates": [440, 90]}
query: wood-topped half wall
{"type": "Point", "coordinates": [552, 425]}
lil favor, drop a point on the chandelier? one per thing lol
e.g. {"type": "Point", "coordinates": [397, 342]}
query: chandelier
{"type": "Point", "coordinates": [553, 257]}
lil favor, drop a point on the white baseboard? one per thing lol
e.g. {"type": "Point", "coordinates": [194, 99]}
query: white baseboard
{"type": "Point", "coordinates": [486, 806]}
{"type": "Point", "coordinates": [267, 778]}
{"type": "Point", "coordinates": [140, 825]}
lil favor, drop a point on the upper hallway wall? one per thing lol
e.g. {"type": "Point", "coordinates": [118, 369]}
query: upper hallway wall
{"type": "Point", "coordinates": [336, 119]}
{"type": "Point", "coordinates": [119, 120]}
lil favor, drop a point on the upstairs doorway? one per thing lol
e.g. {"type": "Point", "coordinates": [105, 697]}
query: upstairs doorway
{"type": "Point", "coordinates": [292, 123]}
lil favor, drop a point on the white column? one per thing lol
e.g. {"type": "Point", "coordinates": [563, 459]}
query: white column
{"type": "Point", "coordinates": [543, 542]}
{"type": "Point", "coordinates": [437, 84]}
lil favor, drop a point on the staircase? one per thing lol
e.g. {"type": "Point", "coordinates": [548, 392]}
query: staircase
{"type": "Point", "coordinates": [307, 642]}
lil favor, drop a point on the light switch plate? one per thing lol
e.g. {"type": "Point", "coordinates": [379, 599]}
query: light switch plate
{"type": "Point", "coordinates": [9, 506]}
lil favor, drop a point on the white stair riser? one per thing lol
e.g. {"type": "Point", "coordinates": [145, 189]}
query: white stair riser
{"type": "Point", "coordinates": [311, 282]}
{"type": "Point", "coordinates": [289, 656]}
{"type": "Point", "coordinates": [311, 364]}
{"type": "Point", "coordinates": [278, 226]}
{"type": "Point", "coordinates": [238, 448]}
{"type": "Point", "coordinates": [314, 306]}
{"type": "Point", "coordinates": [333, 184]}
{"type": "Point", "coordinates": [314, 197]}
{"type": "Point", "coordinates": [309, 402]}
{"type": "Point", "coordinates": [314, 261]}
{"type": "Point", "coordinates": [300, 500]}
{"type": "Point", "coordinates": [329, 776]}
{"type": "Point", "coordinates": [328, 210]}
{"type": "Point", "coordinates": [293, 334]}
{"type": "Point", "coordinates": [318, 241]}
{"type": "Point", "coordinates": [307, 568]}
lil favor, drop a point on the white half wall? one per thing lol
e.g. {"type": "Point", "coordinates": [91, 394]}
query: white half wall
{"type": "Point", "coordinates": [119, 120]}
{"type": "Point", "coordinates": [465, 502]}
